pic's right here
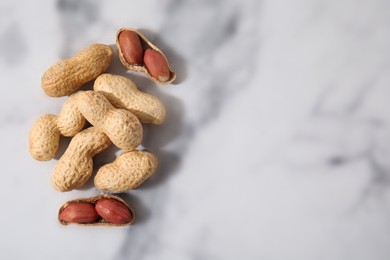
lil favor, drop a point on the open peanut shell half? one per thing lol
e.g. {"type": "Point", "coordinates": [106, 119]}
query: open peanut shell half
{"type": "Point", "coordinates": [99, 221]}
{"type": "Point", "coordinates": [146, 44]}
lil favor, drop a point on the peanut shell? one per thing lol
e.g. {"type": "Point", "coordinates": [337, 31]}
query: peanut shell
{"type": "Point", "coordinates": [44, 138]}
{"type": "Point", "coordinates": [100, 221]}
{"type": "Point", "coordinates": [65, 76]}
{"type": "Point", "coordinates": [141, 68]}
{"type": "Point", "coordinates": [124, 94]}
{"type": "Point", "coordinates": [128, 171]}
{"type": "Point", "coordinates": [46, 131]}
{"type": "Point", "coordinates": [75, 166]}
{"type": "Point", "coordinates": [121, 126]}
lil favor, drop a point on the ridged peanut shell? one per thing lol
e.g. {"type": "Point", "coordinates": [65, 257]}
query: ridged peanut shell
{"type": "Point", "coordinates": [127, 171]}
{"type": "Point", "coordinates": [121, 126]}
{"type": "Point", "coordinates": [70, 121]}
{"type": "Point", "coordinates": [141, 68]}
{"type": "Point", "coordinates": [44, 138]}
{"type": "Point", "coordinates": [124, 94]}
{"type": "Point", "coordinates": [75, 166]}
{"type": "Point", "coordinates": [100, 221]}
{"type": "Point", "coordinates": [65, 76]}
{"type": "Point", "coordinates": [45, 132]}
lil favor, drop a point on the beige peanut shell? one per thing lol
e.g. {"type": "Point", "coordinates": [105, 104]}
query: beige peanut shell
{"type": "Point", "coordinates": [142, 68]}
{"type": "Point", "coordinates": [70, 121]}
{"type": "Point", "coordinates": [75, 166]}
{"type": "Point", "coordinates": [45, 133]}
{"type": "Point", "coordinates": [44, 138]}
{"type": "Point", "coordinates": [65, 76]}
{"type": "Point", "coordinates": [93, 200]}
{"type": "Point", "coordinates": [124, 94]}
{"type": "Point", "coordinates": [121, 126]}
{"type": "Point", "coordinates": [128, 171]}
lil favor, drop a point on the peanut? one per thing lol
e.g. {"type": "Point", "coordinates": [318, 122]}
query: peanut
{"type": "Point", "coordinates": [131, 47]}
{"type": "Point", "coordinates": [124, 94]}
{"type": "Point", "coordinates": [44, 138]}
{"type": "Point", "coordinates": [66, 76]}
{"type": "Point", "coordinates": [45, 133]}
{"type": "Point", "coordinates": [75, 166]}
{"type": "Point", "coordinates": [70, 121]}
{"type": "Point", "coordinates": [121, 126]}
{"type": "Point", "coordinates": [156, 65]}
{"type": "Point", "coordinates": [113, 211]}
{"type": "Point", "coordinates": [78, 212]}
{"type": "Point", "coordinates": [101, 210]}
{"type": "Point", "coordinates": [128, 171]}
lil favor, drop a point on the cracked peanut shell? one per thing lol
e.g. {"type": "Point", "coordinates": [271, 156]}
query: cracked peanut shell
{"type": "Point", "coordinates": [146, 44]}
{"type": "Point", "coordinates": [99, 221]}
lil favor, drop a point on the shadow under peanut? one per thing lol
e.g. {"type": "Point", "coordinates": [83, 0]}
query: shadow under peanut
{"type": "Point", "coordinates": [64, 143]}
{"type": "Point", "coordinates": [168, 163]}
{"type": "Point", "coordinates": [156, 137]}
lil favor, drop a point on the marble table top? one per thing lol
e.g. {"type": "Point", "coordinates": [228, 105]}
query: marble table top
{"type": "Point", "coordinates": [276, 144]}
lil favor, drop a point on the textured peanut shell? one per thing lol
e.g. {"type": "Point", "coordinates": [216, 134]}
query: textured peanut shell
{"type": "Point", "coordinates": [128, 171]}
{"type": "Point", "coordinates": [121, 126]}
{"type": "Point", "coordinates": [100, 222]}
{"type": "Point", "coordinates": [124, 94]}
{"type": "Point", "coordinates": [75, 166]}
{"type": "Point", "coordinates": [65, 76]}
{"type": "Point", "coordinates": [142, 68]}
{"type": "Point", "coordinates": [70, 121]}
{"type": "Point", "coordinates": [44, 138]}
{"type": "Point", "coordinates": [45, 132]}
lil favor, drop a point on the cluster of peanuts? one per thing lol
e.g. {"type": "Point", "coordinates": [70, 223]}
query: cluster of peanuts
{"type": "Point", "coordinates": [116, 109]}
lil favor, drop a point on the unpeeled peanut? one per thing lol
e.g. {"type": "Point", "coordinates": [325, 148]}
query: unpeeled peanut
{"type": "Point", "coordinates": [121, 126]}
{"type": "Point", "coordinates": [66, 76]}
{"type": "Point", "coordinates": [44, 138]}
{"type": "Point", "coordinates": [128, 171]}
{"type": "Point", "coordinates": [45, 133]}
{"type": "Point", "coordinates": [101, 210]}
{"type": "Point", "coordinates": [155, 65]}
{"type": "Point", "coordinates": [124, 94]}
{"type": "Point", "coordinates": [75, 166]}
{"type": "Point", "coordinates": [70, 121]}
{"type": "Point", "coordinates": [78, 212]}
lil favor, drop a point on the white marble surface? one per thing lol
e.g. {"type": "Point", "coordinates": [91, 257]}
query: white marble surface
{"type": "Point", "coordinates": [277, 142]}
